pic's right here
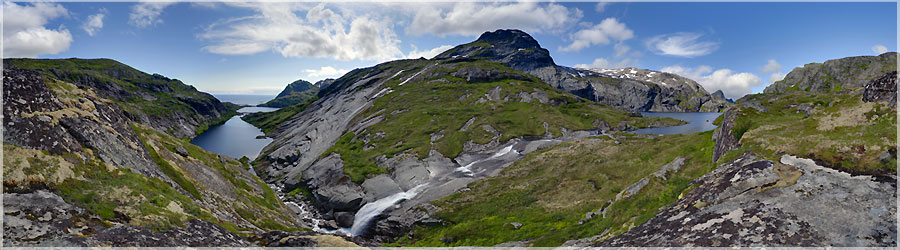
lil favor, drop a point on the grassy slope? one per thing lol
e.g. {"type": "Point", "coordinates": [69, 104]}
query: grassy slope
{"type": "Point", "coordinates": [842, 131]}
{"type": "Point", "coordinates": [432, 106]}
{"type": "Point", "coordinates": [119, 195]}
{"type": "Point", "coordinates": [549, 191]}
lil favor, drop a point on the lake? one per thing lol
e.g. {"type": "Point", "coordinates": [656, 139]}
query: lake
{"type": "Point", "coordinates": [696, 122]}
{"type": "Point", "coordinates": [235, 138]}
{"type": "Point", "coordinates": [244, 99]}
{"type": "Point", "coordinates": [246, 110]}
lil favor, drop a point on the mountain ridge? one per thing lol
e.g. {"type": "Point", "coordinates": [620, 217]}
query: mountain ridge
{"type": "Point", "coordinates": [520, 51]}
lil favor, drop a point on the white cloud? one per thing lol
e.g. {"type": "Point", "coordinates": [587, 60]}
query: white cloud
{"type": "Point", "coordinates": [733, 85]}
{"type": "Point", "coordinates": [777, 76]}
{"type": "Point", "coordinates": [772, 66]}
{"type": "Point", "coordinates": [603, 63]}
{"type": "Point", "coordinates": [320, 33]}
{"type": "Point", "coordinates": [24, 34]}
{"type": "Point", "coordinates": [324, 72]}
{"type": "Point", "coordinates": [146, 14]}
{"type": "Point", "coordinates": [94, 23]}
{"type": "Point", "coordinates": [607, 31]}
{"type": "Point", "coordinates": [601, 6]}
{"type": "Point", "coordinates": [879, 49]}
{"type": "Point", "coordinates": [428, 54]}
{"type": "Point", "coordinates": [469, 18]}
{"type": "Point", "coordinates": [683, 44]}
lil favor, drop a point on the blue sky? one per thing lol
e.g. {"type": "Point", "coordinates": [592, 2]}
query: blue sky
{"type": "Point", "coordinates": [258, 48]}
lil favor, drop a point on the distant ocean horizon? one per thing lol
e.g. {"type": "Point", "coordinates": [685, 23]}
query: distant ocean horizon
{"type": "Point", "coordinates": [244, 99]}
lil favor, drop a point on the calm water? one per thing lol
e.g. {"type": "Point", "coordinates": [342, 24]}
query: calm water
{"type": "Point", "coordinates": [236, 138]}
{"type": "Point", "coordinates": [244, 99]}
{"type": "Point", "coordinates": [696, 122]}
{"type": "Point", "coordinates": [245, 110]}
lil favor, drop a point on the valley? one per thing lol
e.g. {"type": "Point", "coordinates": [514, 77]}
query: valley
{"type": "Point", "coordinates": [490, 143]}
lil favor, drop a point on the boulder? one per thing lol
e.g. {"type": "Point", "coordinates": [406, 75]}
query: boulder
{"type": "Point", "coordinates": [344, 219]}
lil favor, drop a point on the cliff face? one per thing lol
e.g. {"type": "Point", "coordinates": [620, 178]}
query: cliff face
{"type": "Point", "coordinates": [628, 89]}
{"type": "Point", "coordinates": [166, 105]}
{"type": "Point", "coordinates": [81, 169]}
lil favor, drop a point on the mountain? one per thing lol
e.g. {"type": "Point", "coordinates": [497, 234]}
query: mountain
{"type": "Point", "coordinates": [94, 156]}
{"type": "Point", "coordinates": [835, 75]}
{"type": "Point", "coordinates": [422, 129]}
{"type": "Point", "coordinates": [796, 168]}
{"type": "Point", "coordinates": [634, 92]}
{"type": "Point", "coordinates": [295, 93]}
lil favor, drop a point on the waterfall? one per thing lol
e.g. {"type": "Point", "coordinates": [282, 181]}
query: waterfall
{"type": "Point", "coordinates": [372, 209]}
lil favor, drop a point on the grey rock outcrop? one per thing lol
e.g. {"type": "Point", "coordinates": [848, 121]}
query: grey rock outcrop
{"type": "Point", "coordinates": [34, 117]}
{"type": "Point", "coordinates": [724, 135]}
{"type": "Point", "coordinates": [756, 202]}
{"type": "Point", "coordinates": [44, 219]}
{"type": "Point", "coordinates": [837, 74]}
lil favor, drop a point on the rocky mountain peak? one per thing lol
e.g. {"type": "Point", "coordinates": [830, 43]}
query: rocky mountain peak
{"type": "Point", "coordinates": [510, 38]}
{"type": "Point", "coordinates": [513, 48]}
{"type": "Point", "coordinates": [296, 86]}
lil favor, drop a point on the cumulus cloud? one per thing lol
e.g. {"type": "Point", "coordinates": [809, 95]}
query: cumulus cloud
{"type": "Point", "coordinates": [603, 63]}
{"type": "Point", "coordinates": [733, 84]}
{"type": "Point", "coordinates": [772, 66]}
{"type": "Point", "coordinates": [321, 32]}
{"type": "Point", "coordinates": [879, 49]}
{"type": "Point", "coordinates": [682, 44]}
{"type": "Point", "coordinates": [24, 34]}
{"type": "Point", "coordinates": [146, 14]}
{"type": "Point", "coordinates": [777, 76]}
{"type": "Point", "coordinates": [607, 31]}
{"type": "Point", "coordinates": [428, 54]}
{"type": "Point", "coordinates": [324, 72]}
{"type": "Point", "coordinates": [94, 23]}
{"type": "Point", "coordinates": [470, 18]}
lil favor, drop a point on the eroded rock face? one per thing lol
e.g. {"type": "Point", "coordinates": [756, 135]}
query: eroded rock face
{"type": "Point", "coordinates": [42, 218]}
{"type": "Point", "coordinates": [35, 117]}
{"type": "Point", "coordinates": [756, 202]}
{"type": "Point", "coordinates": [838, 74]}
{"type": "Point", "coordinates": [723, 135]}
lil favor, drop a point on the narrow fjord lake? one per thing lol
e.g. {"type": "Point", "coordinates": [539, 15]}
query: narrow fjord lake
{"type": "Point", "coordinates": [696, 122]}
{"type": "Point", "coordinates": [235, 138]}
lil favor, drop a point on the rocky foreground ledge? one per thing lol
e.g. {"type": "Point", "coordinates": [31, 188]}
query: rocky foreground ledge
{"type": "Point", "coordinates": [42, 218]}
